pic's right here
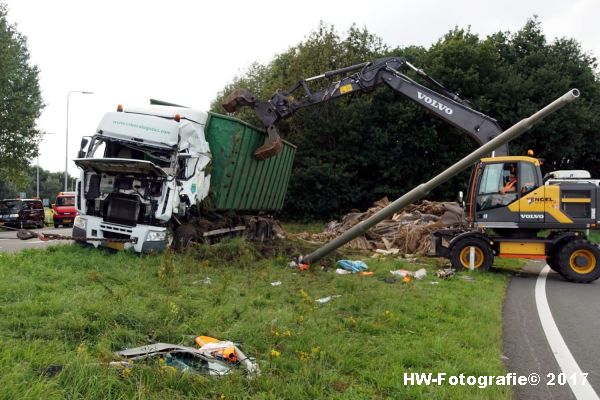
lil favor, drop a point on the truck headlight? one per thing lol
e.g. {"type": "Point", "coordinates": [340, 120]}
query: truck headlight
{"type": "Point", "coordinates": [14, 215]}
{"type": "Point", "coordinates": [154, 236]}
{"type": "Point", "coordinates": [80, 223]}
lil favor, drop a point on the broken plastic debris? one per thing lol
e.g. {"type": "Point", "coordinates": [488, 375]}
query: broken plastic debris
{"type": "Point", "coordinates": [276, 283]}
{"type": "Point", "coordinates": [388, 252]}
{"type": "Point", "coordinates": [401, 272]}
{"type": "Point", "coordinates": [327, 299]}
{"type": "Point", "coordinates": [341, 271]}
{"type": "Point", "coordinates": [407, 279]}
{"type": "Point", "coordinates": [445, 273]}
{"type": "Point", "coordinates": [420, 274]}
{"type": "Point", "coordinates": [215, 360]}
{"type": "Point", "coordinates": [352, 266]}
{"type": "Point", "coordinates": [366, 273]}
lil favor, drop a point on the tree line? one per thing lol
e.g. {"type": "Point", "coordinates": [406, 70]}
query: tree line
{"type": "Point", "coordinates": [354, 150]}
{"type": "Point", "coordinates": [51, 183]}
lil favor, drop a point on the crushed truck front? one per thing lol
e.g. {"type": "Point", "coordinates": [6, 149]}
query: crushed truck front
{"type": "Point", "coordinates": [142, 168]}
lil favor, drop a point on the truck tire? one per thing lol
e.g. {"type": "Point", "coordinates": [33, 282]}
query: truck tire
{"type": "Point", "coordinates": [184, 235]}
{"type": "Point", "coordinates": [579, 261]}
{"type": "Point", "coordinates": [460, 254]}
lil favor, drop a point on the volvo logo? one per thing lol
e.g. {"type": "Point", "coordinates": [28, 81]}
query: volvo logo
{"type": "Point", "coordinates": [532, 216]}
{"type": "Point", "coordinates": [434, 103]}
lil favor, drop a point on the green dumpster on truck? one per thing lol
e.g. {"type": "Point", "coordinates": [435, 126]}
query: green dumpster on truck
{"type": "Point", "coordinates": [238, 181]}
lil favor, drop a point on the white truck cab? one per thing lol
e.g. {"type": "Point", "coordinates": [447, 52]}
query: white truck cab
{"type": "Point", "coordinates": [142, 168]}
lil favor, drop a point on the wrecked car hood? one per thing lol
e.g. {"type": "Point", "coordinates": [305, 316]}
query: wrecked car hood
{"type": "Point", "coordinates": [120, 165]}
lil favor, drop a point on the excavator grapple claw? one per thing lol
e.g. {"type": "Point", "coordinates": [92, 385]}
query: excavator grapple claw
{"type": "Point", "coordinates": [238, 98]}
{"type": "Point", "coordinates": [271, 148]}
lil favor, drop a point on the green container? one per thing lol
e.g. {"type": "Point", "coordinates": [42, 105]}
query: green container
{"type": "Point", "coordinates": [239, 181]}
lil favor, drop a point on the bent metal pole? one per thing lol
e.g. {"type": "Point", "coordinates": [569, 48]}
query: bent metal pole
{"type": "Point", "coordinates": [423, 189]}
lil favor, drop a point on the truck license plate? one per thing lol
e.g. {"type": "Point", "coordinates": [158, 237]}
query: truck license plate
{"type": "Point", "coordinates": [113, 245]}
{"type": "Point", "coordinates": [67, 221]}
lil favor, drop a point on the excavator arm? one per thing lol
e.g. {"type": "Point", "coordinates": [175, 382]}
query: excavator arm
{"type": "Point", "coordinates": [446, 105]}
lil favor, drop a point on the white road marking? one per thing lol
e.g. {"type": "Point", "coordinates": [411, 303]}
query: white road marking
{"type": "Point", "coordinates": [564, 358]}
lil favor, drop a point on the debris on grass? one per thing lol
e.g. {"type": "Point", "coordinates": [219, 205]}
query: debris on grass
{"type": "Point", "coordinates": [341, 271]}
{"type": "Point", "coordinates": [352, 266]}
{"type": "Point", "coordinates": [205, 281]}
{"type": "Point", "coordinates": [327, 299]}
{"type": "Point", "coordinates": [420, 274]}
{"type": "Point", "coordinates": [366, 273]}
{"type": "Point", "coordinates": [445, 273]}
{"type": "Point", "coordinates": [276, 283]}
{"type": "Point", "coordinates": [401, 272]}
{"type": "Point", "coordinates": [407, 279]}
{"type": "Point", "coordinates": [408, 231]}
{"type": "Point", "coordinates": [215, 357]}
{"type": "Point", "coordinates": [52, 370]}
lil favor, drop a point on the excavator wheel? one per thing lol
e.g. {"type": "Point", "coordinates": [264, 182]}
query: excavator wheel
{"type": "Point", "coordinates": [461, 252]}
{"type": "Point", "coordinates": [579, 261]}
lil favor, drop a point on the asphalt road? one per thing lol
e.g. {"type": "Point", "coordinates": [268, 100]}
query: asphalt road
{"type": "Point", "coordinates": [574, 309]}
{"type": "Point", "coordinates": [10, 243]}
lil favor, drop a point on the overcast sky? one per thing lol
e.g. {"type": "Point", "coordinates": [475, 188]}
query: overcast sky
{"type": "Point", "coordinates": [128, 51]}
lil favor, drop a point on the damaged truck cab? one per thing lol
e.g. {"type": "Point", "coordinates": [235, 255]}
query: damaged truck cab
{"type": "Point", "coordinates": [163, 174]}
{"type": "Point", "coordinates": [142, 169]}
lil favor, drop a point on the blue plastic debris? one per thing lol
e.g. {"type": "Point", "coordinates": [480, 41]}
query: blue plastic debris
{"type": "Point", "coordinates": [352, 266]}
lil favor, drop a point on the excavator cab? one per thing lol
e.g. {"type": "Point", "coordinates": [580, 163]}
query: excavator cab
{"type": "Point", "coordinates": [497, 189]}
{"type": "Point", "coordinates": [506, 193]}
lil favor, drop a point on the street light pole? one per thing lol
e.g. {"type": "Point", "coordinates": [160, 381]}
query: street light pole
{"type": "Point", "coordinates": [67, 137]}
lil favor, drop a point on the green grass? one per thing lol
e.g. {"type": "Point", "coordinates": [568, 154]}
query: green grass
{"type": "Point", "coordinates": [73, 307]}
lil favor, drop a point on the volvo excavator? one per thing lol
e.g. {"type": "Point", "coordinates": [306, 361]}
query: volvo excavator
{"type": "Point", "coordinates": [511, 209]}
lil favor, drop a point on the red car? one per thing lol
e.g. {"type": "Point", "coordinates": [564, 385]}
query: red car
{"type": "Point", "coordinates": [64, 211]}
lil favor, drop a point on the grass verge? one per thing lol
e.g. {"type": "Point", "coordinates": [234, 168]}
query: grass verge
{"type": "Point", "coordinates": [72, 307]}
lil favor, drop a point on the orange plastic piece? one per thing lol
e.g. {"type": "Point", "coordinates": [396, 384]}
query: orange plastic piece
{"type": "Point", "coordinates": [366, 273]}
{"type": "Point", "coordinates": [202, 340]}
{"type": "Point", "coordinates": [303, 267]}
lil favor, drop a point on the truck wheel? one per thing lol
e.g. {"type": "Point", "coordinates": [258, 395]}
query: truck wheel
{"type": "Point", "coordinates": [579, 261]}
{"type": "Point", "coordinates": [56, 225]}
{"type": "Point", "coordinates": [461, 251]}
{"type": "Point", "coordinates": [183, 236]}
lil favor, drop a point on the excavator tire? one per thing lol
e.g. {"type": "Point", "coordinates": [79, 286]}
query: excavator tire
{"type": "Point", "coordinates": [579, 261]}
{"type": "Point", "coordinates": [460, 254]}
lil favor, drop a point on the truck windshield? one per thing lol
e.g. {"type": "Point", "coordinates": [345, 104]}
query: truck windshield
{"type": "Point", "coordinates": [65, 201]}
{"type": "Point", "coordinates": [112, 148]}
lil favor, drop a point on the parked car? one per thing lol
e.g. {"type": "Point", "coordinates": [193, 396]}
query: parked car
{"type": "Point", "coordinates": [64, 211]}
{"type": "Point", "coordinates": [21, 213]}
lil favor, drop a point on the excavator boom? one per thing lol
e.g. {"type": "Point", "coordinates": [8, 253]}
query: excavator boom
{"type": "Point", "coordinates": [444, 104]}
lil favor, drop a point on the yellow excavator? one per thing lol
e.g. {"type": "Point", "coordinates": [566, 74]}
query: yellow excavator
{"type": "Point", "coordinates": [515, 212]}
{"type": "Point", "coordinates": [511, 209]}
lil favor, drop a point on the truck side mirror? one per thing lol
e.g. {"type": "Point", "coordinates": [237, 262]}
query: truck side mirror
{"type": "Point", "coordinates": [84, 142]}
{"type": "Point", "coordinates": [80, 154]}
